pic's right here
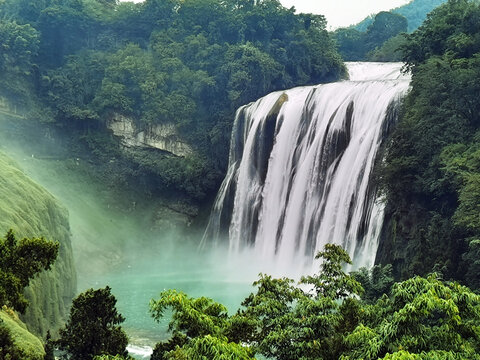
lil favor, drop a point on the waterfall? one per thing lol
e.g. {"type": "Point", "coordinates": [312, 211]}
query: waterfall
{"type": "Point", "coordinates": [300, 168]}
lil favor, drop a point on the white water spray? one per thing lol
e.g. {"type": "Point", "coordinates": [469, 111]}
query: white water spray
{"type": "Point", "coordinates": [300, 168]}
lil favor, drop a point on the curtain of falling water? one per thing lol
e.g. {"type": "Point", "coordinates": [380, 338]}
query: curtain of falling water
{"type": "Point", "coordinates": [301, 164]}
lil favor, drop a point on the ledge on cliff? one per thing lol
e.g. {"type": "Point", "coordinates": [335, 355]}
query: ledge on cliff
{"type": "Point", "coordinates": [159, 136]}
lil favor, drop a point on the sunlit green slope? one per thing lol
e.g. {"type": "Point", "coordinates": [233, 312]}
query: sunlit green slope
{"type": "Point", "coordinates": [31, 211]}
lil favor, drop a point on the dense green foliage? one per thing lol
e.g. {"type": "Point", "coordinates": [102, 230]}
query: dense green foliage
{"type": "Point", "coordinates": [375, 281]}
{"type": "Point", "coordinates": [93, 327]}
{"type": "Point", "coordinates": [328, 316]}
{"type": "Point", "coordinates": [198, 329]}
{"type": "Point", "coordinates": [415, 12]}
{"type": "Point", "coordinates": [49, 347]}
{"type": "Point", "coordinates": [16, 342]}
{"type": "Point", "coordinates": [381, 37]}
{"type": "Point", "coordinates": [374, 39]}
{"type": "Point", "coordinates": [111, 357]}
{"type": "Point", "coordinates": [20, 44]}
{"type": "Point", "coordinates": [391, 50]}
{"type": "Point", "coordinates": [190, 63]}
{"type": "Point", "coordinates": [422, 318]}
{"type": "Point", "coordinates": [431, 173]}
{"type": "Point", "coordinates": [20, 261]}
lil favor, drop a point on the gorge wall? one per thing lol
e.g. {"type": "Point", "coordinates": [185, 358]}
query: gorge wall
{"type": "Point", "coordinates": [159, 136]}
{"type": "Point", "coordinates": [31, 211]}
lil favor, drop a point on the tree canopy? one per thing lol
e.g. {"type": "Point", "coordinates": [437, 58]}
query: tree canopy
{"type": "Point", "coordinates": [20, 261]}
{"type": "Point", "coordinates": [187, 63]}
{"type": "Point", "coordinates": [382, 35]}
{"type": "Point", "coordinates": [328, 316]}
{"type": "Point", "coordinates": [93, 327]}
{"type": "Point", "coordinates": [415, 12]}
{"type": "Point", "coordinates": [431, 171]}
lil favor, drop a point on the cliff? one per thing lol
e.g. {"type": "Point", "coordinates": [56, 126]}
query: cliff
{"type": "Point", "coordinates": [159, 136]}
{"type": "Point", "coordinates": [30, 211]}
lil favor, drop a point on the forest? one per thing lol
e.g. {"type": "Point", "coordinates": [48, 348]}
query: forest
{"type": "Point", "coordinates": [74, 65]}
{"type": "Point", "coordinates": [190, 63]}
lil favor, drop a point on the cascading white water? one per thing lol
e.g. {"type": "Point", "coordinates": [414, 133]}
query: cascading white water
{"type": "Point", "coordinates": [300, 168]}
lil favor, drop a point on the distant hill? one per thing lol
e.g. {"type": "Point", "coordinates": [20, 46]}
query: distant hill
{"type": "Point", "coordinates": [416, 12]}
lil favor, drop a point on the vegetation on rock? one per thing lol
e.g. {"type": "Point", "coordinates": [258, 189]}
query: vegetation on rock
{"type": "Point", "coordinates": [188, 63]}
{"type": "Point", "coordinates": [16, 342]}
{"type": "Point", "coordinates": [31, 211]}
{"type": "Point", "coordinates": [431, 171]}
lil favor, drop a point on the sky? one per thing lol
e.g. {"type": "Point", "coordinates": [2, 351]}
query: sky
{"type": "Point", "coordinates": [341, 13]}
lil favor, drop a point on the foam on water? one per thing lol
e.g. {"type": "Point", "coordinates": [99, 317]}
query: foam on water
{"type": "Point", "coordinates": [139, 352]}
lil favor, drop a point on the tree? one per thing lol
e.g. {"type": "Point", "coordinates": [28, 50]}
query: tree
{"type": "Point", "coordinates": [425, 318]}
{"type": "Point", "coordinates": [376, 282]}
{"type": "Point", "coordinates": [285, 321]}
{"type": "Point", "coordinates": [93, 327]}
{"type": "Point", "coordinates": [391, 50]}
{"type": "Point", "coordinates": [49, 347]}
{"type": "Point", "coordinates": [198, 327]}
{"type": "Point", "coordinates": [420, 318]}
{"type": "Point", "coordinates": [250, 73]}
{"type": "Point", "coordinates": [452, 27]}
{"type": "Point", "coordinates": [280, 320]}
{"type": "Point", "coordinates": [19, 46]}
{"type": "Point", "coordinates": [385, 26]}
{"type": "Point", "coordinates": [20, 261]}
{"type": "Point", "coordinates": [379, 40]}
{"type": "Point", "coordinates": [350, 43]}
{"type": "Point", "coordinates": [431, 170]}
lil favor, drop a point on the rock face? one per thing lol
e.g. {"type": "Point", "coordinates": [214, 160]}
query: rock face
{"type": "Point", "coordinates": [31, 211]}
{"type": "Point", "coordinates": [160, 136]}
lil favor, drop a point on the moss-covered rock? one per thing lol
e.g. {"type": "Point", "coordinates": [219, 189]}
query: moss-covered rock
{"type": "Point", "coordinates": [29, 344]}
{"type": "Point", "coordinates": [30, 210]}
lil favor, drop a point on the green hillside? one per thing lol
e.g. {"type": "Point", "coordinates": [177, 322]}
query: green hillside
{"type": "Point", "coordinates": [30, 211]}
{"type": "Point", "coordinates": [415, 12]}
{"type": "Point", "coordinates": [29, 344]}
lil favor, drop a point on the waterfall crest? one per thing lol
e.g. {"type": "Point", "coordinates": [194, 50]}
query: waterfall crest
{"type": "Point", "coordinates": [301, 164]}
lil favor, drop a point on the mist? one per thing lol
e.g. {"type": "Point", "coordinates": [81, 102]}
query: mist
{"type": "Point", "coordinates": [138, 248]}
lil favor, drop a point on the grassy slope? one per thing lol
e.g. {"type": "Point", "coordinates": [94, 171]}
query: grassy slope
{"type": "Point", "coordinates": [31, 211]}
{"type": "Point", "coordinates": [31, 346]}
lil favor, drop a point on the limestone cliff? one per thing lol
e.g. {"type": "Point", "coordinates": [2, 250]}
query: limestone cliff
{"type": "Point", "coordinates": [30, 210]}
{"type": "Point", "coordinates": [159, 136]}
